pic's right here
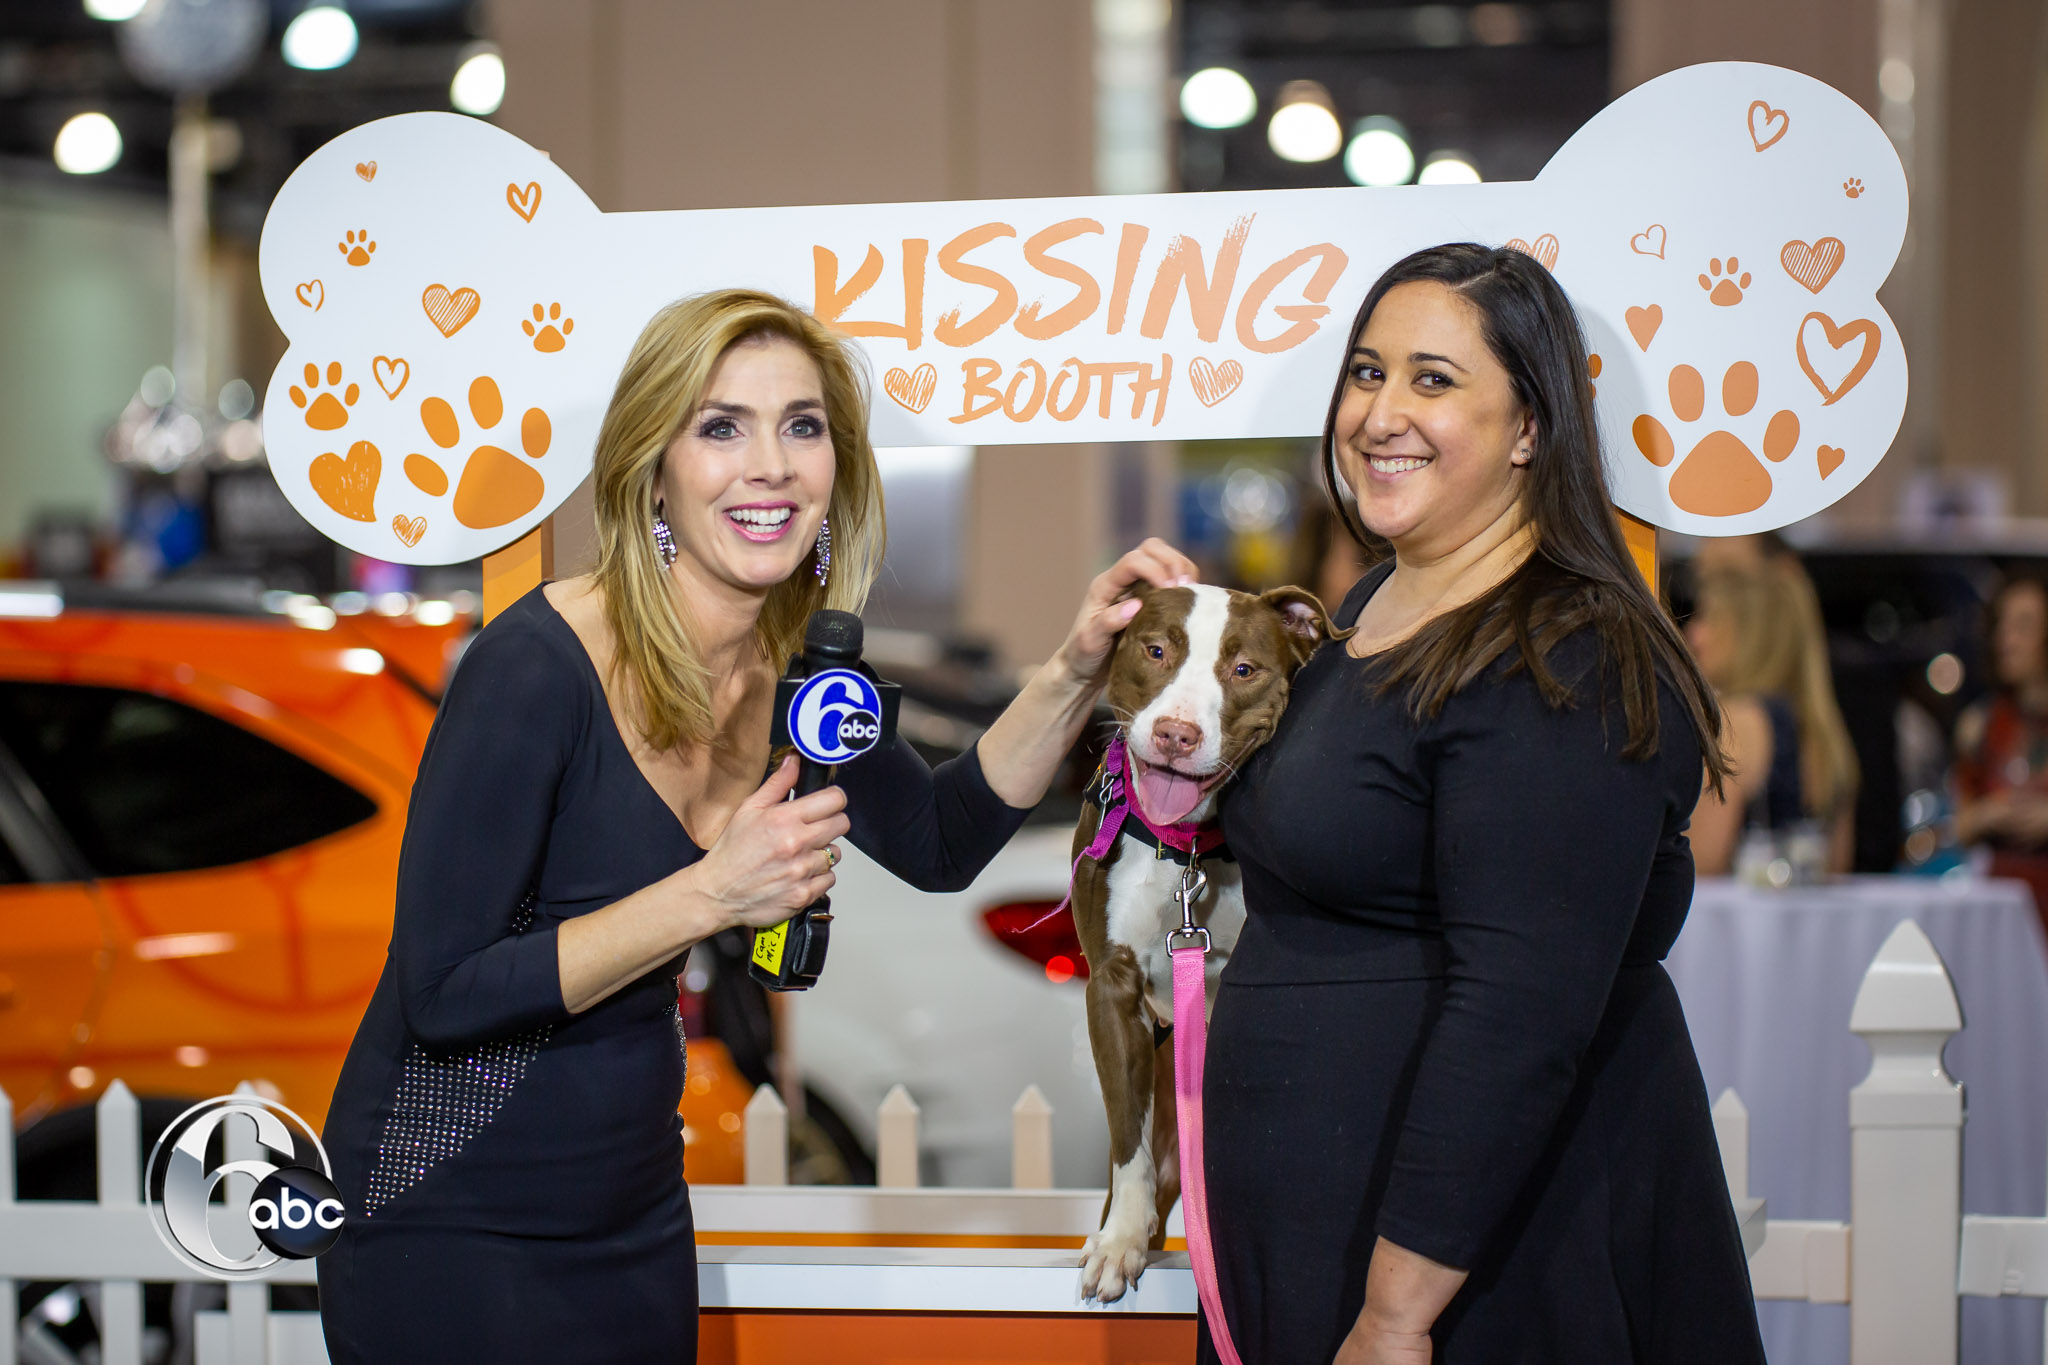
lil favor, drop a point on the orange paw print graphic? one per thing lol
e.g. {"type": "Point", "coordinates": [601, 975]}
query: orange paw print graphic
{"type": "Point", "coordinates": [546, 335]}
{"type": "Point", "coordinates": [1853, 187]}
{"type": "Point", "coordinates": [495, 486]}
{"type": "Point", "coordinates": [1720, 476]}
{"type": "Point", "coordinates": [1723, 288]}
{"type": "Point", "coordinates": [357, 246]}
{"type": "Point", "coordinates": [325, 412]}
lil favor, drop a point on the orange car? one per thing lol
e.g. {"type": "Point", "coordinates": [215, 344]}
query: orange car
{"type": "Point", "coordinates": [202, 795]}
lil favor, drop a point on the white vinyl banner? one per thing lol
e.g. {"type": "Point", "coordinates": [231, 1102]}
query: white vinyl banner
{"type": "Point", "coordinates": [458, 310]}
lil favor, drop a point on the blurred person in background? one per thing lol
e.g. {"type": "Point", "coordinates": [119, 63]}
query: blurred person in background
{"type": "Point", "coordinates": [1757, 634]}
{"type": "Point", "coordinates": [1327, 561]}
{"type": "Point", "coordinates": [2001, 768]}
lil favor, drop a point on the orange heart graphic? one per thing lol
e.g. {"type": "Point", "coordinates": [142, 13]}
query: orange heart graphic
{"type": "Point", "coordinates": [1649, 242]}
{"type": "Point", "coordinates": [386, 370]}
{"type": "Point", "coordinates": [367, 169]}
{"type": "Point", "coordinates": [1831, 458]}
{"type": "Point", "coordinates": [1813, 266]}
{"type": "Point", "coordinates": [313, 293]}
{"type": "Point", "coordinates": [524, 202]}
{"type": "Point", "coordinates": [914, 388]}
{"type": "Point", "coordinates": [1862, 331]}
{"type": "Point", "coordinates": [1763, 121]}
{"type": "Point", "coordinates": [449, 309]}
{"type": "Point", "coordinates": [348, 486]}
{"type": "Point", "coordinates": [409, 531]}
{"type": "Point", "coordinates": [1544, 249]}
{"type": "Point", "coordinates": [1644, 322]}
{"type": "Point", "coordinates": [1214, 383]}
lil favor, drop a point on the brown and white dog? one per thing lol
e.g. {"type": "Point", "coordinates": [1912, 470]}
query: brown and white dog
{"type": "Point", "coordinates": [1198, 682]}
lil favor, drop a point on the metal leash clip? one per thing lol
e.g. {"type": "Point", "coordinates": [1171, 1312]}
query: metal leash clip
{"type": "Point", "coordinates": [1192, 882]}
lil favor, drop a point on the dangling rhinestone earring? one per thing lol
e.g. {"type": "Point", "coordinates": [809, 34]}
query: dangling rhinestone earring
{"type": "Point", "coordinates": [664, 542]}
{"type": "Point", "coordinates": [822, 551]}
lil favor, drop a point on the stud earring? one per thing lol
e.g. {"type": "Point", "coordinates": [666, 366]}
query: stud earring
{"type": "Point", "coordinates": [664, 541]}
{"type": "Point", "coordinates": [822, 551]}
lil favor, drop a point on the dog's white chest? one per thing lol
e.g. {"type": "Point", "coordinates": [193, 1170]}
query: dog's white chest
{"type": "Point", "coordinates": [1142, 909]}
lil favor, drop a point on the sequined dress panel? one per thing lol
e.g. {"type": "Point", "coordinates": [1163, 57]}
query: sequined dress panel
{"type": "Point", "coordinates": [513, 1172]}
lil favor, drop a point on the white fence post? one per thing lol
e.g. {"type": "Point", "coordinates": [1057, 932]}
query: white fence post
{"type": "Point", "coordinates": [1905, 1161]}
{"type": "Point", "coordinates": [1031, 1141]}
{"type": "Point", "coordinates": [248, 1300]}
{"type": "Point", "coordinates": [1731, 1133]}
{"type": "Point", "coordinates": [119, 1120]}
{"type": "Point", "coordinates": [896, 1140]}
{"type": "Point", "coordinates": [10, 1301]}
{"type": "Point", "coordinates": [767, 1138]}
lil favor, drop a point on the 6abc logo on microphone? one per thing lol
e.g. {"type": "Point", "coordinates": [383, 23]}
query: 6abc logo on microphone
{"type": "Point", "coordinates": [294, 1212]}
{"type": "Point", "coordinates": [835, 715]}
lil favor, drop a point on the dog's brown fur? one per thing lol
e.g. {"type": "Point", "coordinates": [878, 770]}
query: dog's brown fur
{"type": "Point", "coordinates": [1136, 1073]}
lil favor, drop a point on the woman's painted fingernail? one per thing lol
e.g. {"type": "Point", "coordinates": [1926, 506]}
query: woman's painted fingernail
{"type": "Point", "coordinates": [1130, 608]}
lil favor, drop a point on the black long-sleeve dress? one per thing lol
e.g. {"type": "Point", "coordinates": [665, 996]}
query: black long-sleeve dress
{"type": "Point", "coordinates": [512, 1172]}
{"type": "Point", "coordinates": [1446, 1023]}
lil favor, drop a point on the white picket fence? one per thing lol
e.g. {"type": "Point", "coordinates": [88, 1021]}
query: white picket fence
{"type": "Point", "coordinates": [1914, 1250]}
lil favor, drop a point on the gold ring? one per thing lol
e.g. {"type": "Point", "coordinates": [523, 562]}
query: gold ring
{"type": "Point", "coordinates": [831, 857]}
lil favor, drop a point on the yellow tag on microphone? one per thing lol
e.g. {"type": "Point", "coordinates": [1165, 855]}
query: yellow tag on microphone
{"type": "Point", "coordinates": [768, 946]}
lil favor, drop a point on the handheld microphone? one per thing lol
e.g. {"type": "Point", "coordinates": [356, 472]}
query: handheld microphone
{"type": "Point", "coordinates": [832, 708]}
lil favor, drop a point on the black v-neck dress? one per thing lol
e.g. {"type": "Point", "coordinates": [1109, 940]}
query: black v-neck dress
{"type": "Point", "coordinates": [1446, 1023]}
{"type": "Point", "coordinates": [512, 1173]}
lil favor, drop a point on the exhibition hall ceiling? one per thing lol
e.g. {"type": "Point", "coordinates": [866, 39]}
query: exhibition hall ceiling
{"type": "Point", "coordinates": [1503, 84]}
{"type": "Point", "coordinates": [1494, 87]}
{"type": "Point", "coordinates": [57, 61]}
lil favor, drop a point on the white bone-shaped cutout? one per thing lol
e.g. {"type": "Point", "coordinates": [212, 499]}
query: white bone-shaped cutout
{"type": "Point", "coordinates": [1722, 230]}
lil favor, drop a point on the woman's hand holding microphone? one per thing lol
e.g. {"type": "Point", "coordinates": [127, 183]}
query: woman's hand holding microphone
{"type": "Point", "coordinates": [775, 856]}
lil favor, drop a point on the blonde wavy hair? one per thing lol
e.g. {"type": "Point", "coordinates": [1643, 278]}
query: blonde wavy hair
{"type": "Point", "coordinates": [1780, 646]}
{"type": "Point", "coordinates": [660, 388]}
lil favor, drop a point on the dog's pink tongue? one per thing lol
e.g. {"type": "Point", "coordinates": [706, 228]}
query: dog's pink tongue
{"type": "Point", "coordinates": [1167, 797]}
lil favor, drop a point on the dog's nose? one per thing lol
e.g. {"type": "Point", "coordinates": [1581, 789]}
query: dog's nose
{"type": "Point", "coordinates": [1175, 738]}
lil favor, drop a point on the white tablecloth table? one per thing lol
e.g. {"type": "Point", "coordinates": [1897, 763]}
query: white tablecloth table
{"type": "Point", "coordinates": [1768, 978]}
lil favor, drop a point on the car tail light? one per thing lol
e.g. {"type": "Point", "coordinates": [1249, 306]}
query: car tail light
{"type": "Point", "coordinates": [1041, 931]}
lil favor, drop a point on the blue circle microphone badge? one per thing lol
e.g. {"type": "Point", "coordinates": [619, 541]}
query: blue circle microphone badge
{"type": "Point", "coordinates": [293, 1212]}
{"type": "Point", "coordinates": [835, 715]}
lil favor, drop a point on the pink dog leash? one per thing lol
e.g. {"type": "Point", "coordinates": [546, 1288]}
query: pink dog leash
{"type": "Point", "coordinates": [1188, 947]}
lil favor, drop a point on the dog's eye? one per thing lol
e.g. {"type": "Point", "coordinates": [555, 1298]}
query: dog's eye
{"type": "Point", "coordinates": [1244, 670]}
{"type": "Point", "coordinates": [1156, 651]}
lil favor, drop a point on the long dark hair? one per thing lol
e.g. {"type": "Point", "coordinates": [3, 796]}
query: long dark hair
{"type": "Point", "coordinates": [1580, 573]}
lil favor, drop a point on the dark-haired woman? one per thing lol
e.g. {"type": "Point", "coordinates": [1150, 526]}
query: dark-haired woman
{"type": "Point", "coordinates": [1452, 1108]}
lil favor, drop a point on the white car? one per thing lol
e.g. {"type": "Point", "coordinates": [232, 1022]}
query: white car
{"type": "Point", "coordinates": [918, 990]}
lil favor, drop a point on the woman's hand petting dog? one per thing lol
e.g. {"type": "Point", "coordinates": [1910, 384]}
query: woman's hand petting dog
{"type": "Point", "coordinates": [1110, 604]}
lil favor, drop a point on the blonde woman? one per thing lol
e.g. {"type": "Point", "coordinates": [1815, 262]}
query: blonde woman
{"type": "Point", "coordinates": [589, 806]}
{"type": "Point", "coordinates": [1758, 636]}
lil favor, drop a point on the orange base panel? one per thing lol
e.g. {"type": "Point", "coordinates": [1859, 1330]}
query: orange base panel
{"type": "Point", "coordinates": [735, 1338]}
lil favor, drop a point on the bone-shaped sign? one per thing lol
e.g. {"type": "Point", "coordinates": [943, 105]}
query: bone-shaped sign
{"type": "Point", "coordinates": [458, 310]}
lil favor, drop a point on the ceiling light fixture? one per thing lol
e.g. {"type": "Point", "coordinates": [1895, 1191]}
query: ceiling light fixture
{"type": "Point", "coordinates": [1448, 168]}
{"type": "Point", "coordinates": [87, 144]}
{"type": "Point", "coordinates": [320, 39]}
{"type": "Point", "coordinates": [1304, 128]}
{"type": "Point", "coordinates": [1378, 153]}
{"type": "Point", "coordinates": [1218, 97]}
{"type": "Point", "coordinates": [479, 84]}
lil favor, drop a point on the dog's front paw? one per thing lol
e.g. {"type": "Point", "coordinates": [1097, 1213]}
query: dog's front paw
{"type": "Point", "coordinates": [1110, 1264]}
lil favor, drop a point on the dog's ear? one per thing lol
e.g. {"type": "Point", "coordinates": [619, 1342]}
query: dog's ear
{"type": "Point", "coordinates": [1308, 625]}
